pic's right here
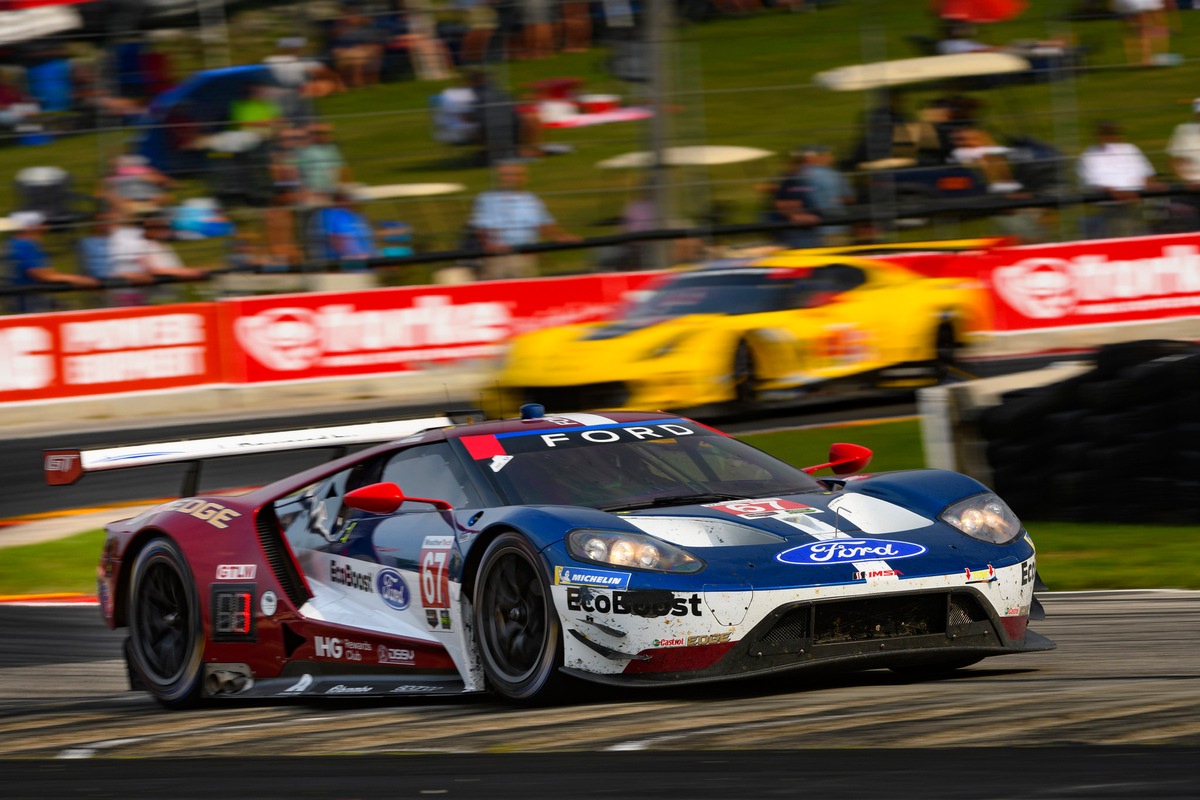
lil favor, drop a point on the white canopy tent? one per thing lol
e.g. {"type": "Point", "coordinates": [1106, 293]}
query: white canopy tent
{"type": "Point", "coordinates": [906, 71]}
{"type": "Point", "coordinates": [35, 23]}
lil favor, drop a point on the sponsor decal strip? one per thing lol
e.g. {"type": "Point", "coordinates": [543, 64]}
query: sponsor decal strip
{"type": "Point", "coordinates": [497, 446]}
{"type": "Point", "coordinates": [569, 420]}
{"type": "Point", "coordinates": [599, 578]}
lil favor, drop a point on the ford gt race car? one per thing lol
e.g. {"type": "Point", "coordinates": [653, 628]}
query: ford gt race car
{"type": "Point", "coordinates": [635, 549]}
{"type": "Point", "coordinates": [739, 333]}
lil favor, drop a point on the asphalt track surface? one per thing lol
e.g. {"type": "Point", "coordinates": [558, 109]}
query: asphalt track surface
{"type": "Point", "coordinates": [1114, 712]}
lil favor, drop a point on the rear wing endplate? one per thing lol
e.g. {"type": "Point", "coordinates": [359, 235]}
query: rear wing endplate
{"type": "Point", "coordinates": [65, 467]}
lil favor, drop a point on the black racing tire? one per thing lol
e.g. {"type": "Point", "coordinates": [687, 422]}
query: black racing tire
{"type": "Point", "coordinates": [1065, 426]}
{"type": "Point", "coordinates": [1187, 436]}
{"type": "Point", "coordinates": [166, 634]}
{"type": "Point", "coordinates": [745, 377]}
{"type": "Point", "coordinates": [516, 624]}
{"type": "Point", "coordinates": [1110, 396]}
{"type": "Point", "coordinates": [935, 669]}
{"type": "Point", "coordinates": [1113, 359]}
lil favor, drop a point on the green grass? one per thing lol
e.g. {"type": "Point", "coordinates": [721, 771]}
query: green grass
{"type": "Point", "coordinates": [741, 81]}
{"type": "Point", "coordinates": [60, 565]}
{"type": "Point", "coordinates": [1075, 556]}
{"type": "Point", "coordinates": [897, 445]}
{"type": "Point", "coordinates": [1071, 556]}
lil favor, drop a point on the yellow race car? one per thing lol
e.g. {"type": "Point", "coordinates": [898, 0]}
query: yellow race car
{"type": "Point", "coordinates": [736, 334]}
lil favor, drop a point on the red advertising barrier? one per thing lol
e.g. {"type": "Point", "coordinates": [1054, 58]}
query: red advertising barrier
{"type": "Point", "coordinates": [1098, 282]}
{"type": "Point", "coordinates": [88, 353]}
{"type": "Point", "coordinates": [347, 334]}
{"type": "Point", "coordinates": [303, 336]}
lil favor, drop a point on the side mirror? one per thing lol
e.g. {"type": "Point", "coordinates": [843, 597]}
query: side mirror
{"type": "Point", "coordinates": [385, 498]}
{"type": "Point", "coordinates": [844, 459]}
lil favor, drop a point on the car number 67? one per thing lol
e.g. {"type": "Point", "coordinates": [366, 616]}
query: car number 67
{"type": "Point", "coordinates": [435, 578]}
{"type": "Point", "coordinates": [768, 506]}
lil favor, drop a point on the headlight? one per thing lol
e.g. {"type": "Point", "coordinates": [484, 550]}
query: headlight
{"type": "Point", "coordinates": [633, 550]}
{"type": "Point", "coordinates": [984, 517]}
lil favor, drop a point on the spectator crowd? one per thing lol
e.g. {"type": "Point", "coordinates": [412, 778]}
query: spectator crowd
{"type": "Point", "coordinates": [254, 164]}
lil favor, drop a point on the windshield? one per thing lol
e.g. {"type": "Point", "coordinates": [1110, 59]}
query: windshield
{"type": "Point", "coordinates": [740, 291]}
{"type": "Point", "coordinates": [614, 467]}
{"type": "Point", "coordinates": [734, 292]}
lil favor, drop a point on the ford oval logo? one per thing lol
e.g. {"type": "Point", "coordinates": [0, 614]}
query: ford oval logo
{"type": "Point", "coordinates": [846, 551]}
{"type": "Point", "coordinates": [392, 588]}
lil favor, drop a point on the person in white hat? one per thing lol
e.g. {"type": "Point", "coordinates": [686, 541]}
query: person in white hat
{"type": "Point", "coordinates": [1184, 152]}
{"type": "Point", "coordinates": [302, 78]}
{"type": "Point", "coordinates": [1184, 148]}
{"type": "Point", "coordinates": [138, 253]}
{"type": "Point", "coordinates": [29, 265]}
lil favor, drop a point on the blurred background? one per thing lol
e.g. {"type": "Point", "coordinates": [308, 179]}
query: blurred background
{"type": "Point", "coordinates": [242, 124]}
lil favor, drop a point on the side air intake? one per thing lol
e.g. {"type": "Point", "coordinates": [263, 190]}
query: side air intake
{"type": "Point", "coordinates": [282, 565]}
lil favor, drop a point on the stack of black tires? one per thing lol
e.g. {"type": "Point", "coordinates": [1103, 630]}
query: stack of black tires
{"type": "Point", "coordinates": [1118, 443]}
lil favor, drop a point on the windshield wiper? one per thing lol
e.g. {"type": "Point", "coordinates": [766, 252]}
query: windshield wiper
{"type": "Point", "coordinates": [674, 500]}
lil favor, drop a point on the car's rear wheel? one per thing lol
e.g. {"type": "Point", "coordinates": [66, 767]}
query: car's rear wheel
{"type": "Point", "coordinates": [945, 351]}
{"type": "Point", "coordinates": [745, 376]}
{"type": "Point", "coordinates": [166, 636]}
{"type": "Point", "coordinates": [516, 625]}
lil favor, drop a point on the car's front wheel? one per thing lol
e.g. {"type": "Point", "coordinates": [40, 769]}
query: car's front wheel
{"type": "Point", "coordinates": [516, 625]}
{"type": "Point", "coordinates": [166, 636]}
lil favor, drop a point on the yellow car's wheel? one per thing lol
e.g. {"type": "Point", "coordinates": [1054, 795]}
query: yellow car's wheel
{"type": "Point", "coordinates": [945, 351]}
{"type": "Point", "coordinates": [745, 376]}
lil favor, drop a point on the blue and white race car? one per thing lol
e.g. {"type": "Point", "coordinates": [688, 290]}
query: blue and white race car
{"type": "Point", "coordinates": [636, 549]}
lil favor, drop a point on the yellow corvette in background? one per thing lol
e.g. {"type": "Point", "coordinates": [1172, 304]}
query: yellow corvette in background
{"type": "Point", "coordinates": [736, 334]}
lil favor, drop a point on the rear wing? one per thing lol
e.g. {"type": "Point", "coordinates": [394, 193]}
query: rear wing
{"type": "Point", "coordinates": [65, 467]}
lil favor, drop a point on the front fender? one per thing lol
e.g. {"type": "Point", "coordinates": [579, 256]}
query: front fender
{"type": "Point", "coordinates": [925, 491]}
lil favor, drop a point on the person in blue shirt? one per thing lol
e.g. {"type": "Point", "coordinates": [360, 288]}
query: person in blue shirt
{"type": "Point", "coordinates": [339, 232]}
{"type": "Point", "coordinates": [794, 202]}
{"type": "Point", "coordinates": [831, 192]}
{"type": "Point", "coordinates": [92, 249]}
{"type": "Point", "coordinates": [28, 264]}
{"type": "Point", "coordinates": [509, 217]}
